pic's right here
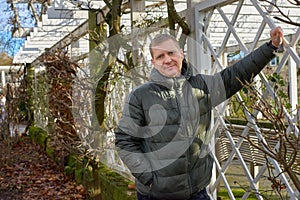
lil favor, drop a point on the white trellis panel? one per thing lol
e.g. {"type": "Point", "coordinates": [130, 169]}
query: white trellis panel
{"type": "Point", "coordinates": [242, 25]}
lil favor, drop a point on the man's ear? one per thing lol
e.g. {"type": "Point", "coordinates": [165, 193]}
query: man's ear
{"type": "Point", "coordinates": [153, 63]}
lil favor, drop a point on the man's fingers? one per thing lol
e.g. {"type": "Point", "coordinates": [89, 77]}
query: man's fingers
{"type": "Point", "coordinates": [277, 36]}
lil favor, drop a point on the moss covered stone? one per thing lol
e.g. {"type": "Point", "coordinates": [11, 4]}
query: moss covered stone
{"type": "Point", "coordinates": [100, 181]}
{"type": "Point", "coordinates": [109, 185]}
{"type": "Point", "coordinates": [39, 135]}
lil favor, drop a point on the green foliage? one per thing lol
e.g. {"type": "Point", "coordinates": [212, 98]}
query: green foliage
{"type": "Point", "coordinates": [100, 181]}
{"type": "Point", "coordinates": [238, 194]}
{"type": "Point", "coordinates": [39, 135]}
{"type": "Point", "coordinates": [51, 151]}
{"type": "Point", "coordinates": [78, 168]}
{"type": "Point", "coordinates": [278, 86]}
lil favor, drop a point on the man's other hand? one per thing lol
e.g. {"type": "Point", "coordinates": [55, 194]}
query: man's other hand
{"type": "Point", "coordinates": [276, 35]}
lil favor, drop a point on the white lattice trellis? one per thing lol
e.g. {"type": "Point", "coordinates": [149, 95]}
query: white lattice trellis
{"type": "Point", "coordinates": [215, 15]}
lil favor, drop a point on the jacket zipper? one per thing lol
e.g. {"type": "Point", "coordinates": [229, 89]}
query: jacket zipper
{"type": "Point", "coordinates": [176, 88]}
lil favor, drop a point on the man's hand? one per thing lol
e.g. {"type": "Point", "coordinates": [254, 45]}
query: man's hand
{"type": "Point", "coordinates": [276, 35]}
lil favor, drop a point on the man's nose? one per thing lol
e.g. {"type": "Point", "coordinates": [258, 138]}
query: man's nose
{"type": "Point", "coordinates": [168, 59]}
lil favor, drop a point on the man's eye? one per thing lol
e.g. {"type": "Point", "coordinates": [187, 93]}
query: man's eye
{"type": "Point", "coordinates": [171, 53]}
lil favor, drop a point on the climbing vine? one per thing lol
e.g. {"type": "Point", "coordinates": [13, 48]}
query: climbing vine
{"type": "Point", "coordinates": [60, 73]}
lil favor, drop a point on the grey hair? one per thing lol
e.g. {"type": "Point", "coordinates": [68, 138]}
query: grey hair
{"type": "Point", "coordinates": [160, 38]}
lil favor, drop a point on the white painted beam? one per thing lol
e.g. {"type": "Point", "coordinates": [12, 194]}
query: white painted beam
{"type": "Point", "coordinates": [207, 5]}
{"type": "Point", "coordinates": [11, 68]}
{"type": "Point", "coordinates": [62, 22]}
{"type": "Point", "coordinates": [80, 31]}
{"type": "Point", "coordinates": [47, 34]}
{"type": "Point", "coordinates": [25, 58]}
{"type": "Point", "coordinates": [39, 44]}
{"type": "Point", "coordinates": [46, 38]}
{"type": "Point", "coordinates": [67, 28]}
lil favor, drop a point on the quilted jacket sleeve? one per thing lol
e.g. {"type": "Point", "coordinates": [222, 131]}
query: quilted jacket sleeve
{"type": "Point", "coordinates": [226, 83]}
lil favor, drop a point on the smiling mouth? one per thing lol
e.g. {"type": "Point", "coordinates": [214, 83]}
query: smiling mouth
{"type": "Point", "coordinates": [171, 66]}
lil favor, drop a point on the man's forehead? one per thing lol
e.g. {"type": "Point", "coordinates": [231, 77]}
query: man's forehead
{"type": "Point", "coordinates": [166, 46]}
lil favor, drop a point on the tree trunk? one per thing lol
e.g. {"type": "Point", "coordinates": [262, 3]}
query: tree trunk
{"type": "Point", "coordinates": [175, 18]}
{"type": "Point", "coordinates": [17, 30]}
{"type": "Point", "coordinates": [114, 30]}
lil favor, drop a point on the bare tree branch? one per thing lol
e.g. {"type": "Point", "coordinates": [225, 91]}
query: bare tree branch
{"type": "Point", "coordinates": [34, 13]}
{"type": "Point", "coordinates": [175, 18]}
{"type": "Point", "coordinates": [286, 153]}
{"type": "Point", "coordinates": [285, 18]}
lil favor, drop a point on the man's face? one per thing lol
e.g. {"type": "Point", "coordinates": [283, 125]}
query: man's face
{"type": "Point", "coordinates": [167, 58]}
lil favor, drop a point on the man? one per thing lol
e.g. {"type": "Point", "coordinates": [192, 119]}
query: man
{"type": "Point", "coordinates": [163, 133]}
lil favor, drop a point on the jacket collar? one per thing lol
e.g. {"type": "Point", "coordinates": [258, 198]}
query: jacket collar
{"type": "Point", "coordinates": [158, 78]}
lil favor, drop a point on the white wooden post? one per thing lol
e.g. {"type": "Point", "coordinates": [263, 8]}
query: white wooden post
{"type": "Point", "coordinates": [137, 15]}
{"type": "Point", "coordinates": [137, 10]}
{"type": "Point", "coordinates": [3, 78]}
{"type": "Point", "coordinates": [200, 59]}
{"type": "Point", "coordinates": [195, 53]}
{"type": "Point", "coordinates": [293, 93]}
{"type": "Point", "coordinates": [200, 56]}
{"type": "Point", "coordinates": [254, 170]}
{"type": "Point", "coordinates": [258, 86]}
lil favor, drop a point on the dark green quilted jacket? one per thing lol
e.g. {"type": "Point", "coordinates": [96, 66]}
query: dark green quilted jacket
{"type": "Point", "coordinates": [163, 134]}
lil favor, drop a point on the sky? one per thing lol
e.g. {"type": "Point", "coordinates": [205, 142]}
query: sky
{"type": "Point", "coordinates": [7, 42]}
